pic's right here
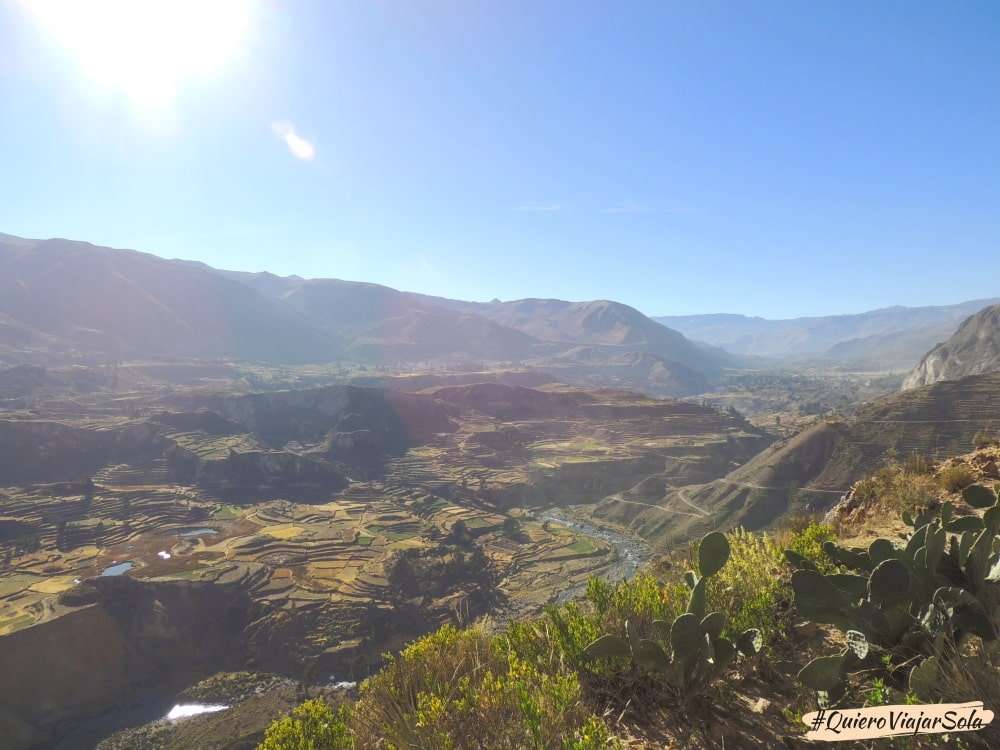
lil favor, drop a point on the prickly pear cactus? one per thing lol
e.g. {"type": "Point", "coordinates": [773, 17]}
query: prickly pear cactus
{"type": "Point", "coordinates": [691, 650]}
{"type": "Point", "coordinates": [941, 583]}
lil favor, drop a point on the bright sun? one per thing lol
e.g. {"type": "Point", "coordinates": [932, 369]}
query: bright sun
{"type": "Point", "coordinates": [146, 48]}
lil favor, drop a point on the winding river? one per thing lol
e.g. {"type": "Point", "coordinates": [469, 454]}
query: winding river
{"type": "Point", "coordinates": [631, 552]}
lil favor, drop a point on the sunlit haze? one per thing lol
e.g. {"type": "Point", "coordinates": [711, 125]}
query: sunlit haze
{"type": "Point", "coordinates": [145, 48]}
{"type": "Point", "coordinates": [769, 158]}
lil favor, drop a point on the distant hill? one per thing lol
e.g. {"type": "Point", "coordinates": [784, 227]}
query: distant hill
{"type": "Point", "coordinates": [611, 326]}
{"type": "Point", "coordinates": [973, 349]}
{"type": "Point", "coordinates": [810, 471]}
{"type": "Point", "coordinates": [603, 322]}
{"type": "Point", "coordinates": [892, 337]}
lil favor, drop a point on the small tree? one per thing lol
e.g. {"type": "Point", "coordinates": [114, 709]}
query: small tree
{"type": "Point", "coordinates": [87, 501]}
{"type": "Point", "coordinates": [511, 528]}
{"type": "Point", "coordinates": [459, 533]}
{"type": "Point", "coordinates": [400, 574]}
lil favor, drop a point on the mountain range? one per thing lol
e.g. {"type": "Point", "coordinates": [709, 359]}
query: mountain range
{"type": "Point", "coordinates": [63, 297]}
{"type": "Point", "coordinates": [889, 338]}
{"type": "Point", "coordinates": [67, 296]}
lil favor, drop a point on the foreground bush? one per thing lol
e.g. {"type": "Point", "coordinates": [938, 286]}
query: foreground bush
{"type": "Point", "coordinates": [908, 485]}
{"type": "Point", "coordinates": [451, 690]}
{"type": "Point", "coordinates": [957, 477]}
{"type": "Point", "coordinates": [462, 689]}
{"type": "Point", "coordinates": [312, 726]}
{"type": "Point", "coordinates": [749, 587]}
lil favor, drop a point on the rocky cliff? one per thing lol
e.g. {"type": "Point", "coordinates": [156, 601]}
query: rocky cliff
{"type": "Point", "coordinates": [974, 349]}
{"type": "Point", "coordinates": [124, 636]}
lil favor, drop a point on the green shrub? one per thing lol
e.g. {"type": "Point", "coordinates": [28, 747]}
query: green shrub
{"type": "Point", "coordinates": [557, 638]}
{"type": "Point", "coordinates": [458, 689]}
{"type": "Point", "coordinates": [314, 725]}
{"type": "Point", "coordinates": [809, 544]}
{"type": "Point", "coordinates": [562, 633]}
{"type": "Point", "coordinates": [644, 598]}
{"type": "Point", "coordinates": [748, 588]}
{"type": "Point", "coordinates": [916, 463]}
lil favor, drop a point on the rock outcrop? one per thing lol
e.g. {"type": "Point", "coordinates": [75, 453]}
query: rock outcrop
{"type": "Point", "coordinates": [974, 349]}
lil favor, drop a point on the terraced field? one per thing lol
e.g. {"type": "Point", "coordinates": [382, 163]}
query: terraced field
{"type": "Point", "coordinates": [341, 522]}
{"type": "Point", "coordinates": [510, 448]}
{"type": "Point", "coordinates": [604, 445]}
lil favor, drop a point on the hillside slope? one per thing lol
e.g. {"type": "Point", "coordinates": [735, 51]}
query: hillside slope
{"type": "Point", "coordinates": [811, 470]}
{"type": "Point", "coordinates": [383, 324]}
{"type": "Point", "coordinates": [66, 296]}
{"type": "Point", "coordinates": [973, 349]}
{"type": "Point", "coordinates": [62, 294]}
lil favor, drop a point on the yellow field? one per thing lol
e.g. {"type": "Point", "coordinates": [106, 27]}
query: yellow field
{"type": "Point", "coordinates": [282, 531]}
{"type": "Point", "coordinates": [54, 585]}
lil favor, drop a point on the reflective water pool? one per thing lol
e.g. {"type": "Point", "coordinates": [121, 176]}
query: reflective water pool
{"type": "Point", "coordinates": [118, 569]}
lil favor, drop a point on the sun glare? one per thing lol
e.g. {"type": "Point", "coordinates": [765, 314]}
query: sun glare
{"type": "Point", "coordinates": [146, 48]}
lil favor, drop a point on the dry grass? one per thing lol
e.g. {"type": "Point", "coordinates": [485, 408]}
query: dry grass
{"type": "Point", "coordinates": [973, 675]}
{"type": "Point", "coordinates": [985, 439]}
{"type": "Point", "coordinates": [899, 486]}
{"type": "Point", "coordinates": [956, 477]}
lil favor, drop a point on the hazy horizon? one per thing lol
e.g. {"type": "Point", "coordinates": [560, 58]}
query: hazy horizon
{"type": "Point", "coordinates": [650, 314]}
{"type": "Point", "coordinates": [776, 161]}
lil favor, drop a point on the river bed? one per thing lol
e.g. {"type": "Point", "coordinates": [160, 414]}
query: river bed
{"type": "Point", "coordinates": [632, 552]}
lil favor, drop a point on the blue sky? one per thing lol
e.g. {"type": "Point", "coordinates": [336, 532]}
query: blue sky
{"type": "Point", "coordinates": [775, 159]}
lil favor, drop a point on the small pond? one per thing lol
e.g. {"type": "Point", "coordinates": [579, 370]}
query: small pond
{"type": "Point", "coordinates": [118, 569]}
